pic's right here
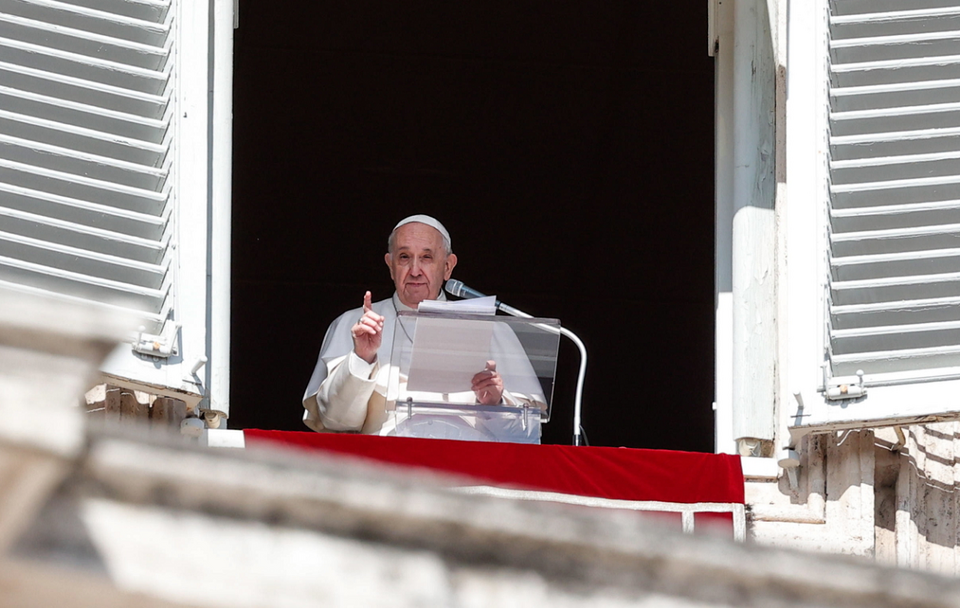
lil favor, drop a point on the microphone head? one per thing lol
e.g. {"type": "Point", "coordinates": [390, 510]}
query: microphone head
{"type": "Point", "coordinates": [454, 287]}
{"type": "Point", "coordinates": [457, 288]}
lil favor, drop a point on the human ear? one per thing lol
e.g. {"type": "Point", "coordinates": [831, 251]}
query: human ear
{"type": "Point", "coordinates": [448, 266]}
{"type": "Point", "coordinates": [389, 259]}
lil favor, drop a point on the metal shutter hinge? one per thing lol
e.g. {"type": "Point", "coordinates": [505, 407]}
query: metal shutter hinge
{"type": "Point", "coordinates": [845, 387]}
{"type": "Point", "coordinates": [161, 346]}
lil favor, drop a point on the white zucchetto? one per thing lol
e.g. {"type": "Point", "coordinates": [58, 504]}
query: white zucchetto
{"type": "Point", "coordinates": [429, 221]}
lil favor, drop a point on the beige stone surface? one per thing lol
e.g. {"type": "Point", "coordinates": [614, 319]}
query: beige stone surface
{"type": "Point", "coordinates": [889, 495]}
{"type": "Point", "coordinates": [161, 518]}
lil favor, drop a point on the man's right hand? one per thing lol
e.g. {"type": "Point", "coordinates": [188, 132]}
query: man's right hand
{"type": "Point", "coordinates": [368, 332]}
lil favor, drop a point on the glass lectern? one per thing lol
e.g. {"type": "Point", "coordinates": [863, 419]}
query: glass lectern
{"type": "Point", "coordinates": [434, 359]}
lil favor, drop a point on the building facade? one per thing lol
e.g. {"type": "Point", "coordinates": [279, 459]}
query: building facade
{"type": "Point", "coordinates": [837, 290]}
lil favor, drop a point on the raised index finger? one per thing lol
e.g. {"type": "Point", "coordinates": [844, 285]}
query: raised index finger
{"type": "Point", "coordinates": [367, 304]}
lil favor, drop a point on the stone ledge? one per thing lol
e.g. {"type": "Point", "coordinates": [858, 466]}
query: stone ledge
{"type": "Point", "coordinates": [149, 505]}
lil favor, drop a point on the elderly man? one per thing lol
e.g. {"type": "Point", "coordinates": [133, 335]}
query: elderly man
{"type": "Point", "coordinates": [348, 386]}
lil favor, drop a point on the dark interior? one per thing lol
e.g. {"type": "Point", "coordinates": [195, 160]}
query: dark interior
{"type": "Point", "coordinates": [568, 148]}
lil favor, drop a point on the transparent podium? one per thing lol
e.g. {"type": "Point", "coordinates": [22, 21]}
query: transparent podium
{"type": "Point", "coordinates": [435, 357]}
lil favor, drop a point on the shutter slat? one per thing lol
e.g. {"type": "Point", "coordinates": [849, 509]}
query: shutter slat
{"type": "Point", "coordinates": [878, 69]}
{"type": "Point", "coordinates": [91, 287]}
{"type": "Point", "coordinates": [874, 16]}
{"type": "Point", "coordinates": [918, 304]}
{"type": "Point", "coordinates": [151, 319]}
{"type": "Point", "coordinates": [895, 240]}
{"type": "Point", "coordinates": [894, 163]}
{"type": "Point", "coordinates": [878, 138]}
{"type": "Point", "coordinates": [884, 217]}
{"type": "Point", "coordinates": [91, 19]}
{"type": "Point", "coordinates": [79, 138]}
{"type": "Point", "coordinates": [152, 11]}
{"type": "Point", "coordinates": [900, 169]}
{"type": "Point", "coordinates": [81, 163]}
{"type": "Point", "coordinates": [86, 68]}
{"type": "Point", "coordinates": [868, 148]}
{"type": "Point", "coordinates": [895, 289]}
{"type": "Point", "coordinates": [27, 82]}
{"type": "Point", "coordinates": [902, 360]}
{"type": "Point", "coordinates": [920, 182]}
{"type": "Point", "coordinates": [903, 94]}
{"type": "Point", "coordinates": [895, 119]}
{"type": "Point", "coordinates": [856, 9]}
{"type": "Point", "coordinates": [912, 39]}
{"type": "Point", "coordinates": [108, 122]}
{"type": "Point", "coordinates": [83, 43]}
{"type": "Point", "coordinates": [83, 213]}
{"type": "Point", "coordinates": [864, 332]}
{"type": "Point", "coordinates": [891, 113]}
{"type": "Point", "coordinates": [78, 235]}
{"type": "Point", "coordinates": [894, 264]}
{"type": "Point", "coordinates": [123, 269]}
{"type": "Point", "coordinates": [97, 189]}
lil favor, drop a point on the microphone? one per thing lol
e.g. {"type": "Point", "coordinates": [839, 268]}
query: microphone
{"type": "Point", "coordinates": [457, 288]}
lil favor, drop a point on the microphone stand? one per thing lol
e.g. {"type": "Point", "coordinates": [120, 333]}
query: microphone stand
{"type": "Point", "coordinates": [578, 398]}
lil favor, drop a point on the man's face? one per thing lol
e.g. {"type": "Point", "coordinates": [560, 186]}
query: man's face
{"type": "Point", "coordinates": [419, 264]}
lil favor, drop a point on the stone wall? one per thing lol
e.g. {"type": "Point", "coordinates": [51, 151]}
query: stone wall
{"type": "Point", "coordinates": [886, 494]}
{"type": "Point", "coordinates": [123, 405]}
{"type": "Point", "coordinates": [149, 519]}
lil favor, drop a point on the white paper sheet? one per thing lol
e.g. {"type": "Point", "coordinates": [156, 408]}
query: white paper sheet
{"type": "Point", "coordinates": [448, 353]}
{"type": "Point", "coordinates": [486, 305]}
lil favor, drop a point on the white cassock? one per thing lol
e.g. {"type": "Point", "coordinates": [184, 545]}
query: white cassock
{"type": "Point", "coordinates": [346, 393]}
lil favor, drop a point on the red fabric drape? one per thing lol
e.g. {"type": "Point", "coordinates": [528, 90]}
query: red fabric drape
{"type": "Point", "coordinates": [617, 473]}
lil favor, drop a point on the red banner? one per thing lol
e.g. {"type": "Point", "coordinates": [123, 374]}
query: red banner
{"type": "Point", "coordinates": [614, 473]}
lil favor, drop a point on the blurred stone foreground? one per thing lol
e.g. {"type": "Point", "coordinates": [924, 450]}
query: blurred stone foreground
{"type": "Point", "coordinates": [99, 514]}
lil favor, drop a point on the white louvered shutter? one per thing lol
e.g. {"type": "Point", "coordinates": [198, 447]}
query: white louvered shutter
{"type": "Point", "coordinates": [93, 193]}
{"type": "Point", "coordinates": [893, 226]}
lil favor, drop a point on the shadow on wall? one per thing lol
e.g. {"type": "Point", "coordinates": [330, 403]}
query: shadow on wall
{"type": "Point", "coordinates": [920, 479]}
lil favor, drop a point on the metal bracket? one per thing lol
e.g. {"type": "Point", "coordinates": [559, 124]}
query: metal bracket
{"type": "Point", "coordinates": [845, 387]}
{"type": "Point", "coordinates": [191, 376]}
{"type": "Point", "coordinates": [161, 346]}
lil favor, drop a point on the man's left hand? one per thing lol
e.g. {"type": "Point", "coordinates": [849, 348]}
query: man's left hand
{"type": "Point", "coordinates": [488, 385]}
